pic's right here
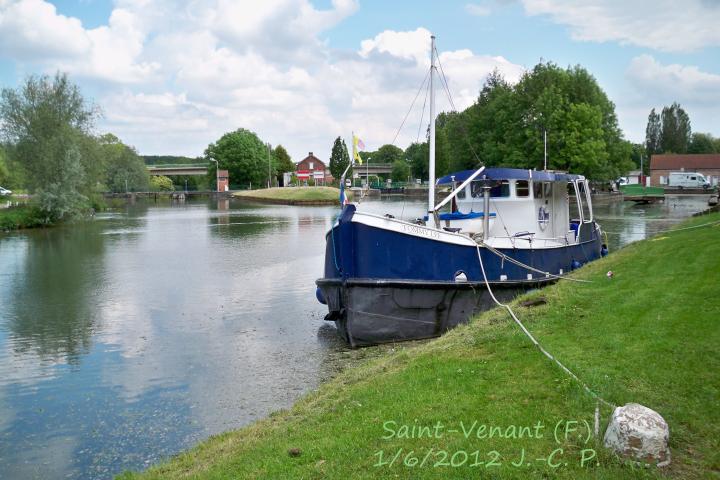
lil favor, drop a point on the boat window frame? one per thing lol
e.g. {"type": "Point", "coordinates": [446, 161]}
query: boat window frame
{"type": "Point", "coordinates": [577, 201]}
{"type": "Point", "coordinates": [588, 198]}
{"type": "Point", "coordinates": [548, 190]}
{"type": "Point", "coordinates": [538, 190]}
{"type": "Point", "coordinates": [587, 201]}
{"type": "Point", "coordinates": [476, 190]}
{"type": "Point", "coordinates": [526, 188]}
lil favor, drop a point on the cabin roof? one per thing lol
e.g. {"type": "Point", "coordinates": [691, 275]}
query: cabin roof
{"type": "Point", "coordinates": [509, 174]}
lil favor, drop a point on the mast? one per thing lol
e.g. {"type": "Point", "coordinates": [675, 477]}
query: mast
{"type": "Point", "coordinates": [431, 168]}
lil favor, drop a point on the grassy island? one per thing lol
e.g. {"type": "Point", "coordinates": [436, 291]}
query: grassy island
{"type": "Point", "coordinates": [294, 195]}
{"type": "Point", "coordinates": [649, 335]}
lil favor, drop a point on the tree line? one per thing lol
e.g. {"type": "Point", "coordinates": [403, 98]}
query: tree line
{"type": "Point", "coordinates": [49, 148]}
{"type": "Point", "coordinates": [670, 132]}
{"type": "Point", "coordinates": [506, 125]}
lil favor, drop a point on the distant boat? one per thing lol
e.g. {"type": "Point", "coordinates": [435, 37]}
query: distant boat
{"type": "Point", "coordinates": [502, 229]}
{"type": "Point", "coordinates": [640, 194]}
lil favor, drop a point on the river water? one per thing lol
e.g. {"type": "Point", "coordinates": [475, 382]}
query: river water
{"type": "Point", "coordinates": [128, 338]}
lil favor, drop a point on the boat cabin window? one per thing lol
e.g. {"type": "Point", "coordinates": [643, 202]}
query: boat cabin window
{"type": "Point", "coordinates": [585, 200]}
{"type": "Point", "coordinates": [548, 189]}
{"type": "Point", "coordinates": [461, 193]}
{"type": "Point", "coordinates": [537, 189]}
{"type": "Point", "coordinates": [573, 202]}
{"type": "Point", "coordinates": [522, 188]}
{"type": "Point", "coordinates": [500, 189]}
{"type": "Point", "coordinates": [542, 190]}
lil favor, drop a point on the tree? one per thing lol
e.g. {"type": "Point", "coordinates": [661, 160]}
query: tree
{"type": "Point", "coordinates": [416, 155]}
{"type": "Point", "coordinates": [505, 126]}
{"type": "Point", "coordinates": [242, 153]}
{"type": "Point", "coordinates": [638, 151]}
{"type": "Point", "coordinates": [4, 172]}
{"type": "Point", "coordinates": [161, 183]}
{"type": "Point", "coordinates": [60, 197]}
{"type": "Point", "coordinates": [339, 158]}
{"type": "Point", "coordinates": [125, 170]}
{"type": "Point", "coordinates": [48, 123]}
{"type": "Point", "coordinates": [653, 131]}
{"type": "Point", "coordinates": [675, 133]}
{"type": "Point", "coordinates": [703, 143]}
{"type": "Point", "coordinates": [387, 154]}
{"type": "Point", "coordinates": [400, 170]}
{"type": "Point", "coordinates": [283, 162]}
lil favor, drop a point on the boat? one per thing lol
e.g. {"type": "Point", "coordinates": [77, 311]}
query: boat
{"type": "Point", "coordinates": [641, 194]}
{"type": "Point", "coordinates": [498, 232]}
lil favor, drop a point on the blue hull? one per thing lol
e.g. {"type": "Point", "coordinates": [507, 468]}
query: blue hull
{"type": "Point", "coordinates": [364, 262]}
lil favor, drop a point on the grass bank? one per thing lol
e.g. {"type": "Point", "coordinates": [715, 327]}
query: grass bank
{"type": "Point", "coordinates": [294, 195]}
{"type": "Point", "coordinates": [26, 216]}
{"type": "Point", "coordinates": [648, 335]}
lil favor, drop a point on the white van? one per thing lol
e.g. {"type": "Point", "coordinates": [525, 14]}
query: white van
{"type": "Point", "coordinates": [687, 180]}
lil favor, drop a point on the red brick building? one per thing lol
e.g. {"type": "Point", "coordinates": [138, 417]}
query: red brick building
{"type": "Point", "coordinates": [223, 181]}
{"type": "Point", "coordinates": [706, 163]}
{"type": "Point", "coordinates": [312, 167]}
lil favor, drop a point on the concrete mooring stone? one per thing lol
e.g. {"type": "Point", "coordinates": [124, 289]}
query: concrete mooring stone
{"type": "Point", "coordinates": [639, 433]}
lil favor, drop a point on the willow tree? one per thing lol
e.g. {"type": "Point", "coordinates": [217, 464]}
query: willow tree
{"type": "Point", "coordinates": [48, 124]}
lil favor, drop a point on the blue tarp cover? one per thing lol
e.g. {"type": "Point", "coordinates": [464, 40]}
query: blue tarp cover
{"type": "Point", "coordinates": [462, 216]}
{"type": "Point", "coordinates": [508, 174]}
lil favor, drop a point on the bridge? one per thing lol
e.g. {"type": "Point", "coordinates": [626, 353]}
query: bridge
{"type": "Point", "coordinates": [360, 171]}
{"type": "Point", "coordinates": [167, 170]}
{"type": "Point", "coordinates": [365, 170]}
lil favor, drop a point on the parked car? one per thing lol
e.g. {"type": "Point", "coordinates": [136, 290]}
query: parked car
{"type": "Point", "coordinates": [4, 192]}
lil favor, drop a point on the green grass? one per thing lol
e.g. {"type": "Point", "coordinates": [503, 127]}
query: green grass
{"type": "Point", "coordinates": [648, 335]}
{"type": "Point", "coordinates": [16, 218]}
{"type": "Point", "coordinates": [294, 194]}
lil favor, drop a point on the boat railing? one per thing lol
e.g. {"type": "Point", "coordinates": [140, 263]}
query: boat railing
{"type": "Point", "coordinates": [532, 238]}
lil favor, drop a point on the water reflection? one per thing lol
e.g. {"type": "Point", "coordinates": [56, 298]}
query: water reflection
{"type": "Point", "coordinates": [48, 309]}
{"type": "Point", "coordinates": [149, 331]}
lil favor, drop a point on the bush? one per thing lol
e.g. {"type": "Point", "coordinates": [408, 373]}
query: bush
{"type": "Point", "coordinates": [14, 218]}
{"type": "Point", "coordinates": [161, 183]}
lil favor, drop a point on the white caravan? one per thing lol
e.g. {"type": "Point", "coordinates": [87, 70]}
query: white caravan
{"type": "Point", "coordinates": [687, 180]}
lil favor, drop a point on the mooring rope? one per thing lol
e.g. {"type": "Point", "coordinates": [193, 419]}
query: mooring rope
{"type": "Point", "coordinates": [671, 230]}
{"type": "Point", "coordinates": [528, 267]}
{"type": "Point", "coordinates": [534, 341]}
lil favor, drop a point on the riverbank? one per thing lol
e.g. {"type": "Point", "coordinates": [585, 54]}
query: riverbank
{"type": "Point", "coordinates": [646, 335]}
{"type": "Point", "coordinates": [20, 217]}
{"type": "Point", "coordinates": [293, 195]}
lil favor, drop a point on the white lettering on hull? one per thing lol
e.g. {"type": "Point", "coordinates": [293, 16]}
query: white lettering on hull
{"type": "Point", "coordinates": [418, 230]}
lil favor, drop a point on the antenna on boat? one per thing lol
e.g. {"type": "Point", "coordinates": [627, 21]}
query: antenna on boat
{"type": "Point", "coordinates": [431, 167]}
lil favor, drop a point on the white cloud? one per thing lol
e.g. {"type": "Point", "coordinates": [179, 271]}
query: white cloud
{"type": "Point", "coordinates": [32, 31]}
{"type": "Point", "coordinates": [477, 10]}
{"type": "Point", "coordinates": [173, 78]}
{"type": "Point", "coordinates": [666, 25]}
{"type": "Point", "coordinates": [413, 45]}
{"type": "Point", "coordinates": [673, 82]}
{"type": "Point", "coordinates": [651, 84]}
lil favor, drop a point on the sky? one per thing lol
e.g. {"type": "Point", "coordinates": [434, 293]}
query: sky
{"type": "Point", "coordinates": [172, 76]}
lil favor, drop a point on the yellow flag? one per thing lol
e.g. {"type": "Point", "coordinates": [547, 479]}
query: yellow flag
{"type": "Point", "coordinates": [357, 145]}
